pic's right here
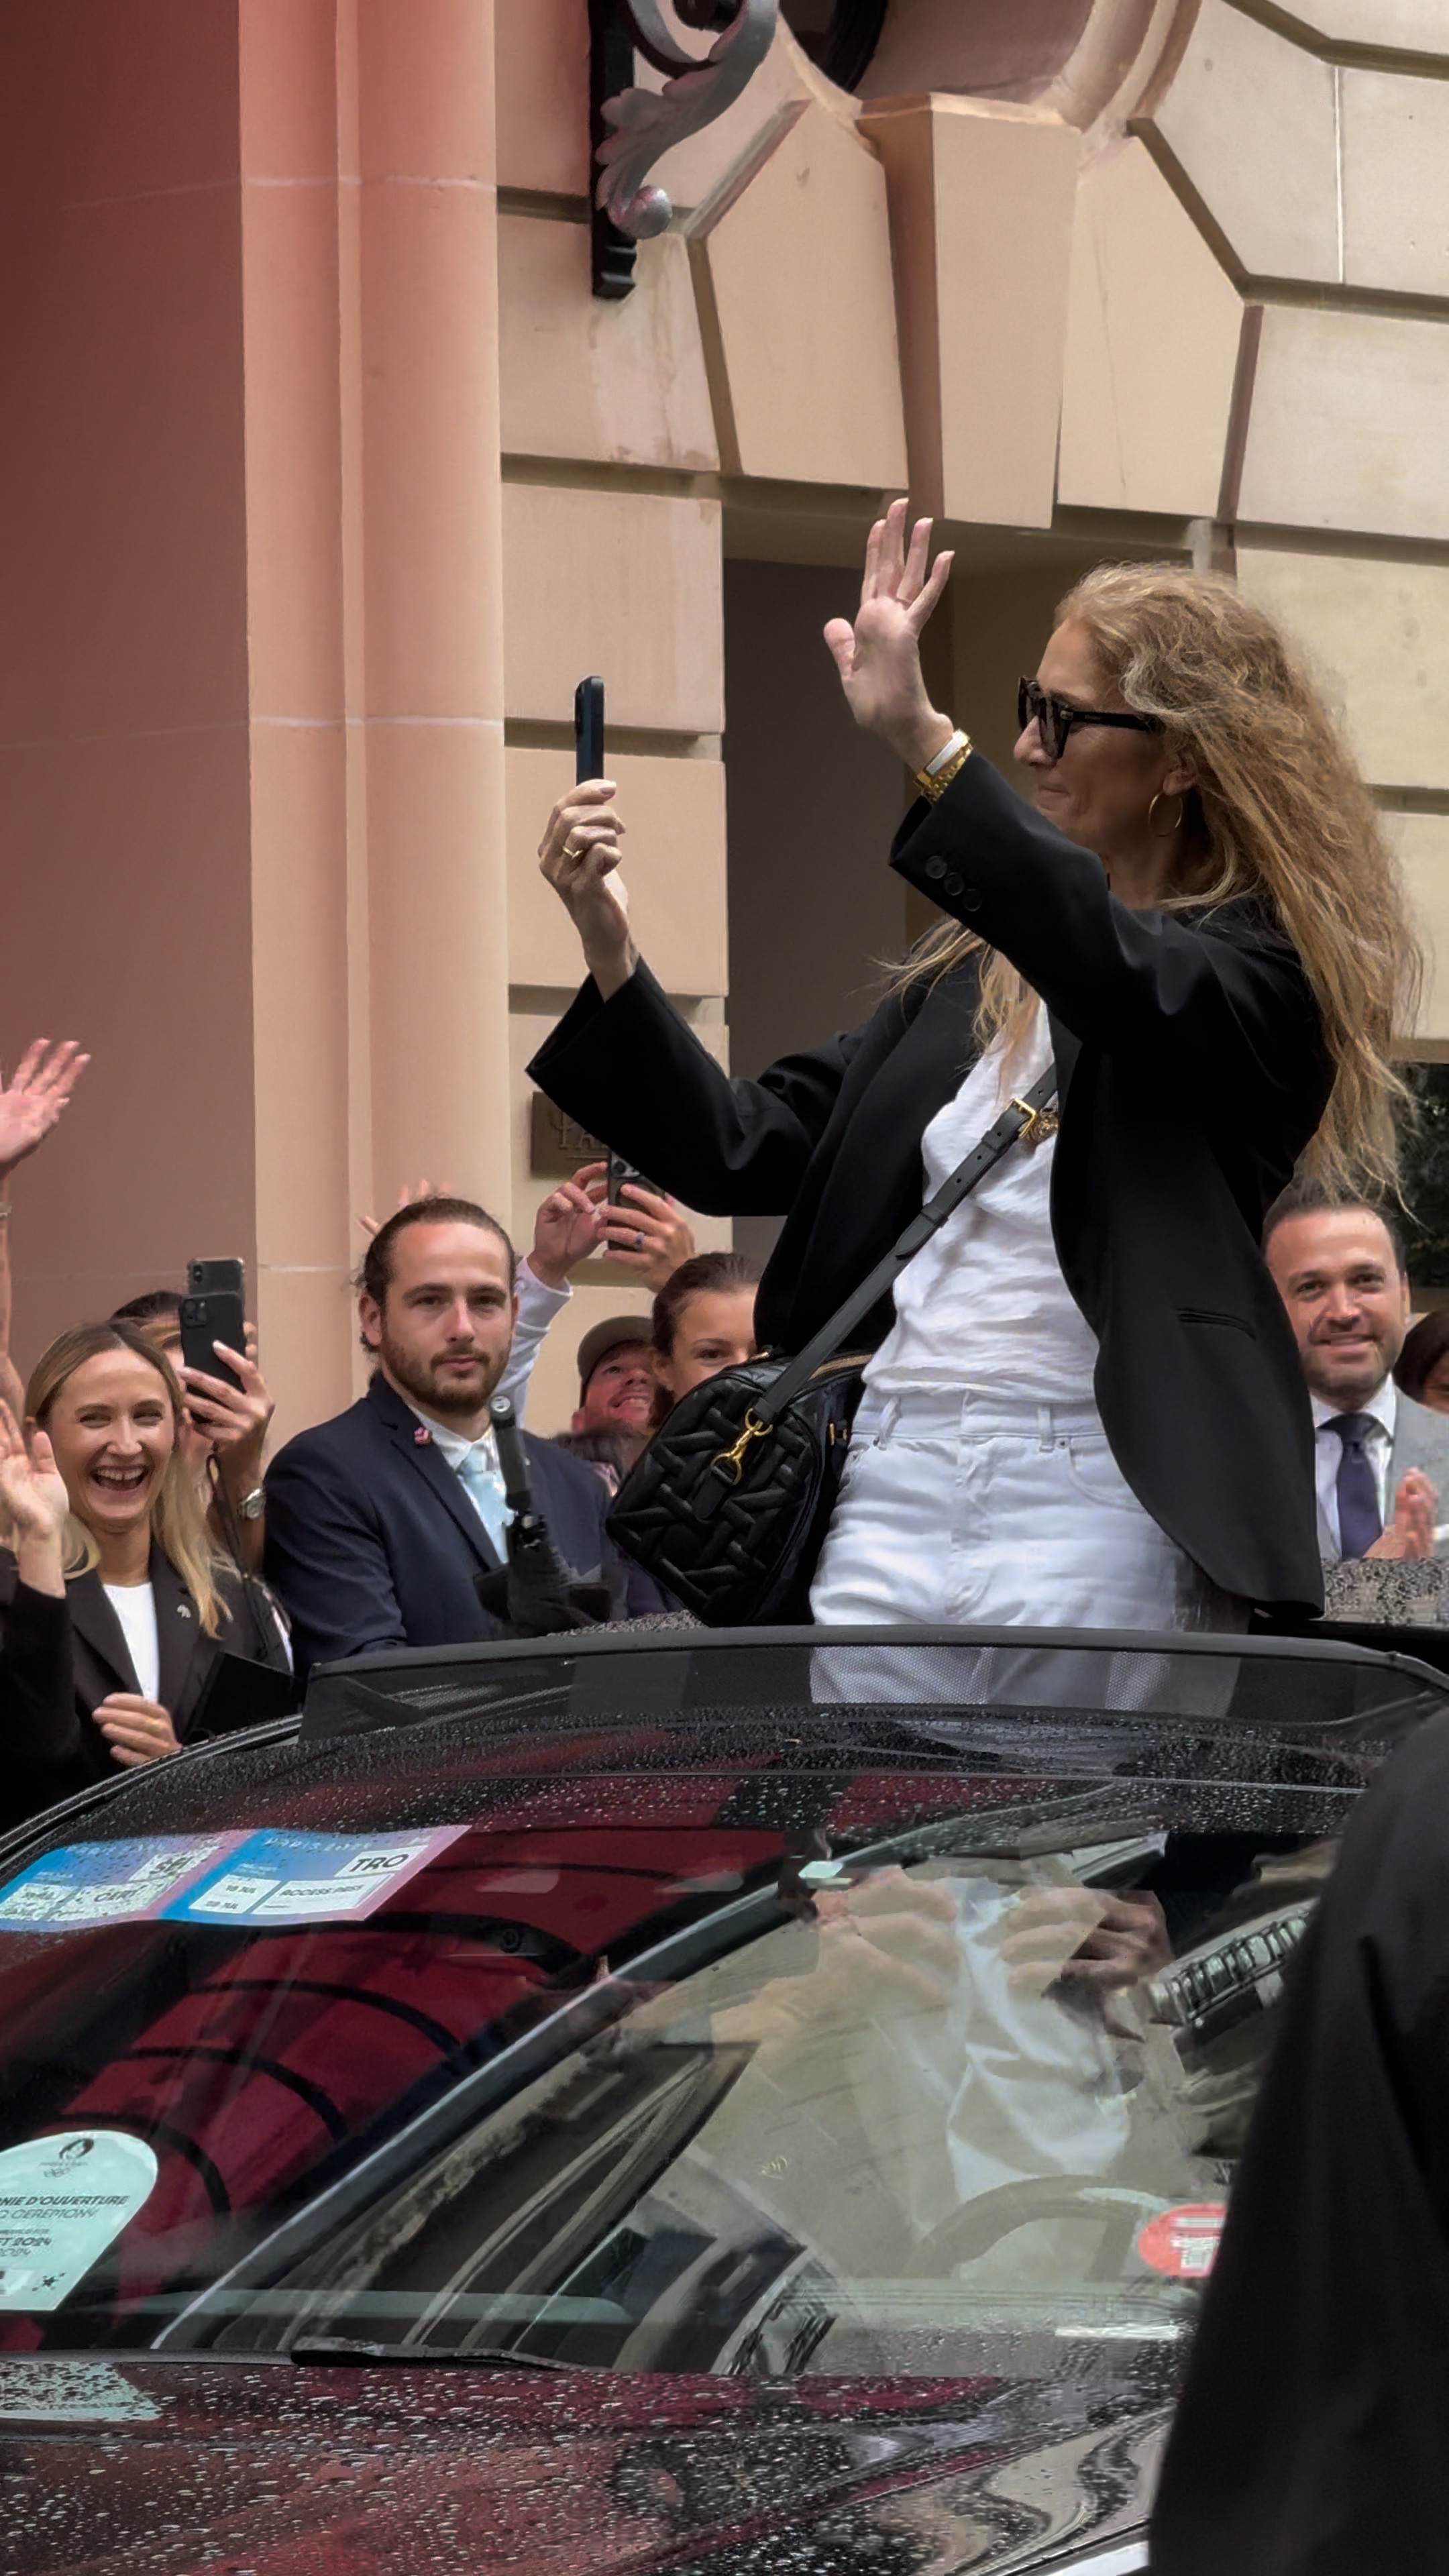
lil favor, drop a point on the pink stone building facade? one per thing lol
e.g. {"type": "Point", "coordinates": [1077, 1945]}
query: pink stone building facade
{"type": "Point", "coordinates": [326, 475]}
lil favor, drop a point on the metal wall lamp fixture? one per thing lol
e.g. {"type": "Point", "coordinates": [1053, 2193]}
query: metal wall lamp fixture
{"type": "Point", "coordinates": [633, 128]}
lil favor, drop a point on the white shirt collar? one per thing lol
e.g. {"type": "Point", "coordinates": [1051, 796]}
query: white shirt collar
{"type": "Point", "coordinates": [455, 1449]}
{"type": "Point", "coordinates": [1383, 1408]}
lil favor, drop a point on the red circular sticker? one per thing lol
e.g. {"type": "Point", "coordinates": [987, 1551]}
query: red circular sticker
{"type": "Point", "coordinates": [1183, 2242]}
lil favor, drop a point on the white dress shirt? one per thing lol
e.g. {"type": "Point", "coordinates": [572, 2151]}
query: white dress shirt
{"type": "Point", "coordinates": [475, 1463]}
{"type": "Point", "coordinates": [135, 1606]}
{"type": "Point", "coordinates": [1383, 1411]}
{"type": "Point", "coordinates": [984, 1305]}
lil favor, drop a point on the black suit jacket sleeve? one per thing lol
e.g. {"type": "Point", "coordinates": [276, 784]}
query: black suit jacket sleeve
{"type": "Point", "coordinates": [1224, 1018]}
{"type": "Point", "coordinates": [326, 1560]}
{"type": "Point", "coordinates": [39, 1724]}
{"type": "Point", "coordinates": [630, 1067]}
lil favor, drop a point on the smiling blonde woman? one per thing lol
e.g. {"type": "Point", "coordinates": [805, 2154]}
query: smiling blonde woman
{"type": "Point", "coordinates": [113, 1600]}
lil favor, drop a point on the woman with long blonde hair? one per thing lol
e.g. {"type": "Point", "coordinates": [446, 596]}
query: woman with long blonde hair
{"type": "Point", "coordinates": [1084, 1406]}
{"type": "Point", "coordinates": [114, 1601]}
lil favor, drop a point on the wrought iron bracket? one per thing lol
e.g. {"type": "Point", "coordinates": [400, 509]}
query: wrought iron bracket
{"type": "Point", "coordinates": [632, 128]}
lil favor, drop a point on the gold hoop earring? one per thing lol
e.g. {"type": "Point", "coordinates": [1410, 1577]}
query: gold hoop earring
{"type": "Point", "coordinates": [1173, 830]}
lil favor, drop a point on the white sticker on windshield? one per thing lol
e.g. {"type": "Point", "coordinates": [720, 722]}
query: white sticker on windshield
{"type": "Point", "coordinates": [63, 2200]}
{"type": "Point", "coordinates": [87, 1884]}
{"type": "Point", "coordinates": [281, 1878]}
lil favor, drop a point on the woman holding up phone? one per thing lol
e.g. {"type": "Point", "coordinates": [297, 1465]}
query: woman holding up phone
{"type": "Point", "coordinates": [114, 1600]}
{"type": "Point", "coordinates": [1084, 1406]}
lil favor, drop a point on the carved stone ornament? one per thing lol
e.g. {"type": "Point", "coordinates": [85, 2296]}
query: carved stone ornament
{"type": "Point", "coordinates": [643, 124]}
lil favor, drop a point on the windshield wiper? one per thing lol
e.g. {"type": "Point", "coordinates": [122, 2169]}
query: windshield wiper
{"type": "Point", "coordinates": [338, 2350]}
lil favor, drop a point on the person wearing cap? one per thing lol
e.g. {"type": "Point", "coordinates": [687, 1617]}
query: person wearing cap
{"type": "Point", "coordinates": [616, 1383]}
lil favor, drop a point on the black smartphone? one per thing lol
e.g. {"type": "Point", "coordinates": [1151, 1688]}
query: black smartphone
{"type": "Point", "coordinates": [213, 1310]}
{"type": "Point", "coordinates": [589, 729]}
{"type": "Point", "coordinates": [619, 1173]}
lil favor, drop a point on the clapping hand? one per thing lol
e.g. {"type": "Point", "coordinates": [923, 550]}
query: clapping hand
{"type": "Point", "coordinates": [879, 657]}
{"type": "Point", "coordinates": [32, 1102]}
{"type": "Point", "coordinates": [31, 1484]}
{"type": "Point", "coordinates": [1410, 1534]}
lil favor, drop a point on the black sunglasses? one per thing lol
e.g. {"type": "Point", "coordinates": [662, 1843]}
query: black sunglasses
{"type": "Point", "coordinates": [1056, 716]}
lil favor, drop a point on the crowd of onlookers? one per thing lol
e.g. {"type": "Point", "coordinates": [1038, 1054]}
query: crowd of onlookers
{"type": "Point", "coordinates": [150, 1541]}
{"type": "Point", "coordinates": [151, 1552]}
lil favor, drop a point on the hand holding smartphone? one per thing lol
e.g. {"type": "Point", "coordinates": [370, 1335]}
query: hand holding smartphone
{"type": "Point", "coordinates": [213, 1310]}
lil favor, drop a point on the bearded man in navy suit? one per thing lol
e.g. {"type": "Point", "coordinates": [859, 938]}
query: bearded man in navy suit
{"type": "Point", "coordinates": [380, 1521]}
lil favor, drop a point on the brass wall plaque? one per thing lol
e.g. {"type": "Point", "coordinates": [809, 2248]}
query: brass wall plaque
{"type": "Point", "coordinates": [558, 1145]}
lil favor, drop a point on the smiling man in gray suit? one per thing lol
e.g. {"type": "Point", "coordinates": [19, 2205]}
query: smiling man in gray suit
{"type": "Point", "coordinates": [1381, 1461]}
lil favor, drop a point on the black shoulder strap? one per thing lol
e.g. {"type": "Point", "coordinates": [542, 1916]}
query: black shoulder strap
{"type": "Point", "coordinates": [983, 1158]}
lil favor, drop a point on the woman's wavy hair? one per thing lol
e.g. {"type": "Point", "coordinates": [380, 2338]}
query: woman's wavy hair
{"type": "Point", "coordinates": [1279, 813]}
{"type": "Point", "coordinates": [177, 1521]}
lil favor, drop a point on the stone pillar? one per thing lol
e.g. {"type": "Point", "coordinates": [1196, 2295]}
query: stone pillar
{"type": "Point", "coordinates": [432, 595]}
{"type": "Point", "coordinates": [251, 736]}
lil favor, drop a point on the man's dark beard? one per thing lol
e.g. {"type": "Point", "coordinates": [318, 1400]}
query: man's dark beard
{"type": "Point", "coordinates": [419, 1386]}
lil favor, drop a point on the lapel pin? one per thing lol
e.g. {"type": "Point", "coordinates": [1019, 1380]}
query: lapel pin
{"type": "Point", "coordinates": [422, 1437]}
{"type": "Point", "coordinates": [183, 1609]}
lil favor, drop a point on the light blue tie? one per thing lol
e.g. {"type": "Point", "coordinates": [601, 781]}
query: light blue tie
{"type": "Point", "coordinates": [482, 1481]}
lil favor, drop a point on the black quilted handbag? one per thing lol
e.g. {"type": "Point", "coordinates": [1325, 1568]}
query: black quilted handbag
{"type": "Point", "coordinates": [730, 1502]}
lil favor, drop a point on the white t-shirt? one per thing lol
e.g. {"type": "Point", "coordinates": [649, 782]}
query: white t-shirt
{"type": "Point", "coordinates": [985, 1306]}
{"type": "Point", "coordinates": [135, 1606]}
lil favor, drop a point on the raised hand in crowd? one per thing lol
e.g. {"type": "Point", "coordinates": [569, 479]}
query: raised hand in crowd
{"type": "Point", "coordinates": [34, 1501]}
{"type": "Point", "coordinates": [29, 1107]}
{"type": "Point", "coordinates": [644, 1230]}
{"type": "Point", "coordinates": [570, 1225]}
{"type": "Point", "coordinates": [33, 1100]}
{"type": "Point", "coordinates": [233, 1423]}
{"type": "Point", "coordinates": [410, 1195]}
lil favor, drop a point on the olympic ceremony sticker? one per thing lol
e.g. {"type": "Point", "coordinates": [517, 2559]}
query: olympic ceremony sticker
{"type": "Point", "coordinates": [1182, 2243]}
{"type": "Point", "coordinates": [63, 2200]}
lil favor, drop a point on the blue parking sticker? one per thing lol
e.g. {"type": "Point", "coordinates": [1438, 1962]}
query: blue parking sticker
{"type": "Point", "coordinates": [278, 1878]}
{"type": "Point", "coordinates": [85, 1885]}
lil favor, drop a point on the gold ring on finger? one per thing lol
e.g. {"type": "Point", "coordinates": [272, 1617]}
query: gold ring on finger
{"type": "Point", "coordinates": [572, 849]}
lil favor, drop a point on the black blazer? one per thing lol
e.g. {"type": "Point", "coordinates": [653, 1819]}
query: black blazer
{"type": "Point", "coordinates": [372, 1542]}
{"type": "Point", "coordinates": [1193, 1073]}
{"type": "Point", "coordinates": [60, 1658]}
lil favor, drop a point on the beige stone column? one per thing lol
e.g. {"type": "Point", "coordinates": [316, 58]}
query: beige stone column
{"type": "Point", "coordinates": [374, 641]}
{"type": "Point", "coordinates": [432, 610]}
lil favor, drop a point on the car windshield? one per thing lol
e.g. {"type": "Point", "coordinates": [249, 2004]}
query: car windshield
{"type": "Point", "coordinates": [759, 2007]}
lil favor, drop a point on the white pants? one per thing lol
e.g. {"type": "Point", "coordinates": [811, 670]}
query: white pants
{"type": "Point", "coordinates": [991, 1512]}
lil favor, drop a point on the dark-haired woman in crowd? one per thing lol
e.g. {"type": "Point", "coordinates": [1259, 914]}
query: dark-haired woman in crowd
{"type": "Point", "coordinates": [114, 1600]}
{"type": "Point", "coordinates": [704, 1321]}
{"type": "Point", "coordinates": [1423, 1363]}
{"type": "Point", "coordinates": [1084, 1406]}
